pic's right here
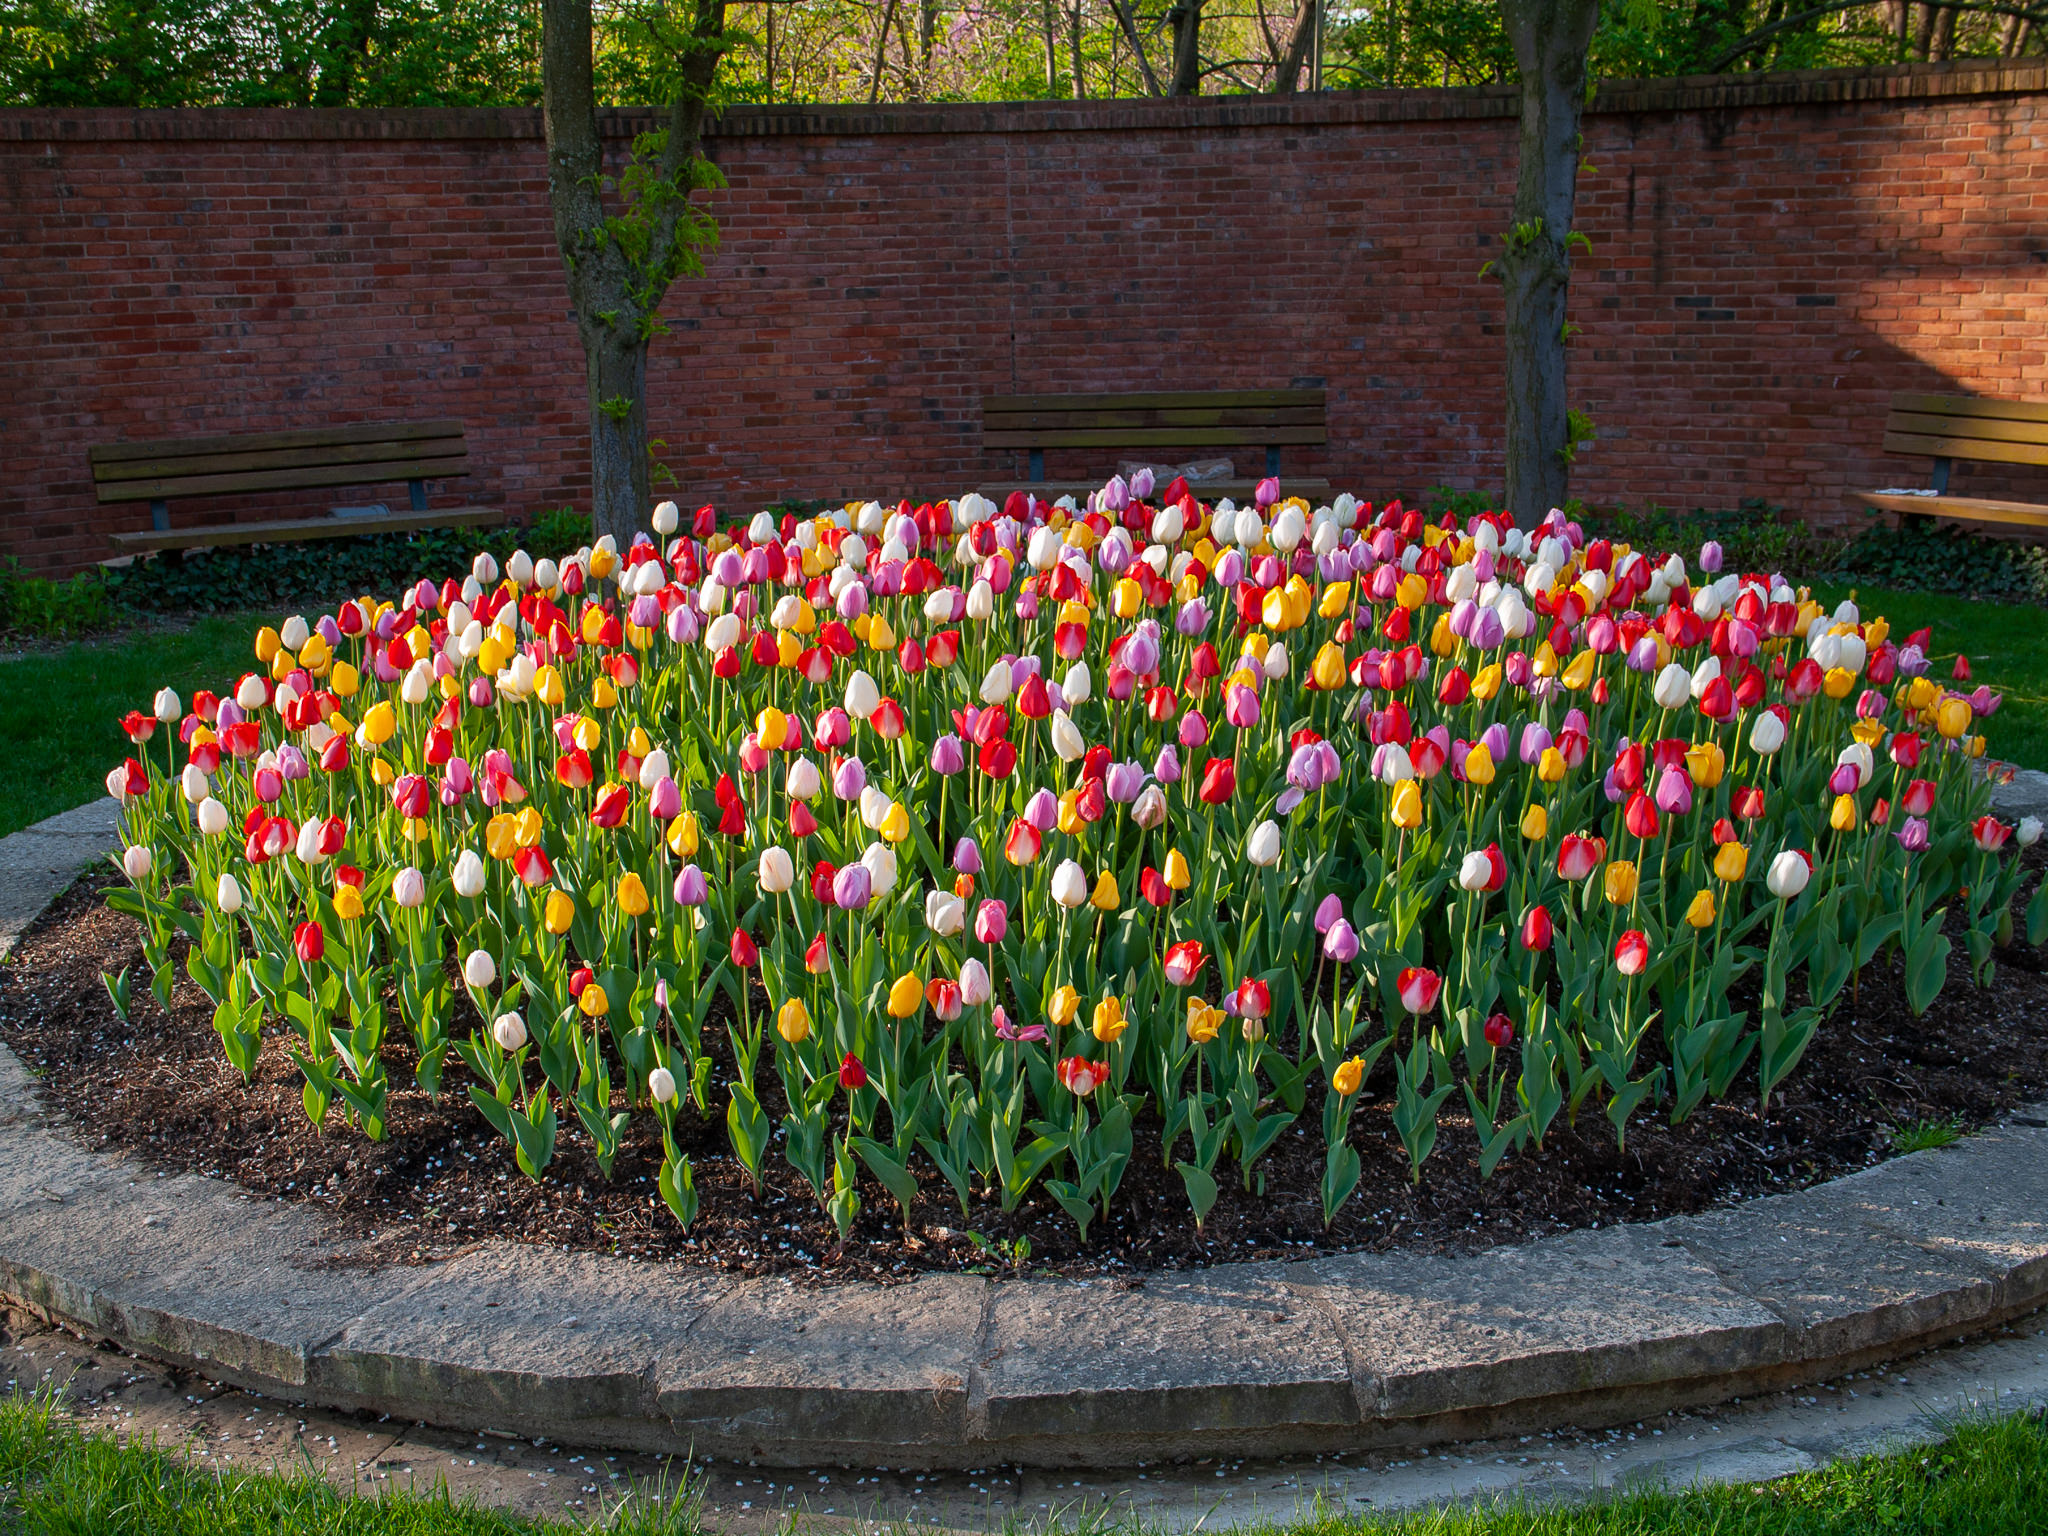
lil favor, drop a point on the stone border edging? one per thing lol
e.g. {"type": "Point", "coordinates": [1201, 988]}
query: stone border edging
{"type": "Point", "coordinates": [1340, 1352]}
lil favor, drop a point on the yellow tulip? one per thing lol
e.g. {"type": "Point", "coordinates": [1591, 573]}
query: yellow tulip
{"type": "Point", "coordinates": [1842, 815]}
{"type": "Point", "coordinates": [593, 623]}
{"type": "Point", "coordinates": [788, 649]}
{"type": "Point", "coordinates": [1731, 862]}
{"type": "Point", "coordinates": [1406, 809]}
{"type": "Point", "coordinates": [593, 1003]}
{"type": "Point", "coordinates": [1544, 662]}
{"type": "Point", "coordinates": [527, 826]}
{"type": "Point", "coordinates": [806, 619]}
{"type": "Point", "coordinates": [1443, 640]}
{"type": "Point", "coordinates": [267, 644]}
{"type": "Point", "coordinates": [1109, 1021]}
{"type": "Point", "coordinates": [558, 912]}
{"type": "Point", "coordinates": [1837, 682]}
{"type": "Point", "coordinates": [1065, 1004]}
{"type": "Point", "coordinates": [1535, 822]}
{"type": "Point", "coordinates": [637, 742]}
{"type": "Point", "coordinates": [1349, 1077]}
{"type": "Point", "coordinates": [1706, 763]}
{"type": "Point", "coordinates": [348, 903]}
{"type": "Point", "coordinates": [1104, 897]}
{"type": "Point", "coordinates": [281, 666]}
{"type": "Point", "coordinates": [632, 895]}
{"type": "Point", "coordinates": [682, 835]}
{"type": "Point", "coordinates": [1328, 668]}
{"type": "Point", "coordinates": [895, 825]}
{"type": "Point", "coordinates": [1953, 718]}
{"type": "Point", "coordinates": [880, 636]}
{"type": "Point", "coordinates": [1203, 1021]}
{"type": "Point", "coordinates": [602, 561]}
{"type": "Point", "coordinates": [1486, 683]}
{"type": "Point", "coordinates": [1479, 767]}
{"type": "Point", "coordinates": [1272, 610]}
{"type": "Point", "coordinates": [1411, 591]}
{"type": "Point", "coordinates": [1178, 875]}
{"type": "Point", "coordinates": [547, 687]}
{"type": "Point", "coordinates": [380, 724]}
{"type": "Point", "coordinates": [1550, 767]}
{"type": "Point", "coordinates": [604, 693]}
{"type": "Point", "coordinates": [1255, 646]}
{"type": "Point", "coordinates": [771, 729]}
{"type": "Point", "coordinates": [1620, 882]}
{"type": "Point", "coordinates": [415, 829]}
{"type": "Point", "coordinates": [1580, 672]}
{"type": "Point", "coordinates": [1701, 912]}
{"type": "Point", "coordinates": [315, 654]}
{"type": "Point", "coordinates": [382, 773]}
{"type": "Point", "coordinates": [1125, 599]}
{"type": "Point", "coordinates": [793, 1021]}
{"type": "Point", "coordinates": [587, 733]}
{"type": "Point", "coordinates": [346, 680]}
{"type": "Point", "coordinates": [1336, 598]}
{"type": "Point", "coordinates": [1869, 732]}
{"type": "Point", "coordinates": [906, 996]}
{"type": "Point", "coordinates": [492, 655]}
{"type": "Point", "coordinates": [501, 838]}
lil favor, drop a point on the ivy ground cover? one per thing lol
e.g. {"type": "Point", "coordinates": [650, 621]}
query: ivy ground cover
{"type": "Point", "coordinates": [992, 833]}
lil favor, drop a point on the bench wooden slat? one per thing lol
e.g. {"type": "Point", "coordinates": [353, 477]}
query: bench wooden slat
{"type": "Point", "coordinates": [1240, 489]}
{"type": "Point", "coordinates": [202, 465]}
{"type": "Point", "coordinates": [1971, 406]}
{"type": "Point", "coordinates": [259, 442]}
{"type": "Point", "coordinates": [1055, 421]}
{"type": "Point", "coordinates": [1975, 429]}
{"type": "Point", "coordinates": [1968, 508]}
{"type": "Point", "coordinates": [283, 479]}
{"type": "Point", "coordinates": [1980, 449]}
{"type": "Point", "coordinates": [289, 529]}
{"type": "Point", "coordinates": [1159, 437]}
{"type": "Point", "coordinates": [1156, 400]}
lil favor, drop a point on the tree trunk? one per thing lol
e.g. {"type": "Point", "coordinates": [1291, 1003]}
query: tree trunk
{"type": "Point", "coordinates": [620, 261]}
{"type": "Point", "coordinates": [1287, 79]}
{"type": "Point", "coordinates": [1074, 48]}
{"type": "Point", "coordinates": [1550, 39]}
{"type": "Point", "coordinates": [1186, 21]}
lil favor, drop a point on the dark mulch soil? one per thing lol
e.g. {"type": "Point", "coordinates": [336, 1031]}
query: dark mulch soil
{"type": "Point", "coordinates": [158, 1087]}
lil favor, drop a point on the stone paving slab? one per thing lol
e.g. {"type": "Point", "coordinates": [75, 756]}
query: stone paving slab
{"type": "Point", "coordinates": [1341, 1352]}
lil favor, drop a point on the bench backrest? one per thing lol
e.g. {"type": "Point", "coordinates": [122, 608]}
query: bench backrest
{"type": "Point", "coordinates": [1965, 427]}
{"type": "Point", "coordinates": [279, 461]}
{"type": "Point", "coordinates": [1235, 418]}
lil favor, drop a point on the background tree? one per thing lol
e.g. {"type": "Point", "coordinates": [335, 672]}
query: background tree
{"type": "Point", "coordinates": [624, 239]}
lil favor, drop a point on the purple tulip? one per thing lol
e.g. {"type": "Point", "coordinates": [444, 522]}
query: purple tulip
{"type": "Point", "coordinates": [948, 755]}
{"type": "Point", "coordinates": [1042, 811]}
{"type": "Point", "coordinates": [852, 888]}
{"type": "Point", "coordinates": [1027, 604]}
{"type": "Point", "coordinates": [1268, 573]}
{"type": "Point", "coordinates": [1241, 707]}
{"type": "Point", "coordinates": [1463, 612]}
{"type": "Point", "coordinates": [1290, 798]}
{"type": "Point", "coordinates": [691, 888]}
{"type": "Point", "coordinates": [966, 857]}
{"type": "Point", "coordinates": [1229, 568]}
{"type": "Point", "coordinates": [853, 601]}
{"type": "Point", "coordinates": [1115, 557]}
{"type": "Point", "coordinates": [1166, 767]}
{"type": "Point", "coordinates": [1844, 780]}
{"type": "Point", "coordinates": [1710, 557]}
{"type": "Point", "coordinates": [1328, 911]}
{"type": "Point", "coordinates": [1194, 728]}
{"type": "Point", "coordinates": [1142, 483]}
{"type": "Point", "coordinates": [1341, 942]}
{"type": "Point", "coordinates": [1495, 739]}
{"type": "Point", "coordinates": [726, 570]}
{"type": "Point", "coordinates": [644, 612]}
{"type": "Point", "coordinates": [665, 800]}
{"type": "Point", "coordinates": [1912, 834]}
{"type": "Point", "coordinates": [683, 626]}
{"type": "Point", "coordinates": [1642, 656]}
{"type": "Point", "coordinates": [328, 630]}
{"type": "Point", "coordinates": [1535, 741]}
{"type": "Point", "coordinates": [1141, 653]}
{"type": "Point", "coordinates": [1518, 669]}
{"type": "Point", "coordinates": [849, 778]}
{"type": "Point", "coordinates": [1267, 492]}
{"type": "Point", "coordinates": [1123, 781]}
{"type": "Point", "coordinates": [1674, 792]}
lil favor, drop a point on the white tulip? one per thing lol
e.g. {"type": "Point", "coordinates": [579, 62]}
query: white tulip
{"type": "Point", "coordinates": [479, 969]}
{"type": "Point", "coordinates": [546, 575]}
{"type": "Point", "coordinates": [1394, 764]}
{"type": "Point", "coordinates": [1263, 846]}
{"type": "Point", "coordinates": [212, 817]}
{"type": "Point", "coordinates": [1706, 602]}
{"type": "Point", "coordinates": [469, 873]}
{"type": "Point", "coordinates": [1069, 885]}
{"type": "Point", "coordinates": [661, 1083]}
{"type": "Point", "coordinates": [509, 1030]}
{"type": "Point", "coordinates": [418, 686]}
{"type": "Point", "coordinates": [483, 570]}
{"type": "Point", "coordinates": [1043, 550]}
{"type": "Point", "coordinates": [1275, 664]}
{"type": "Point", "coordinates": [880, 863]}
{"type": "Point", "coordinates": [762, 528]}
{"type": "Point", "coordinates": [1787, 875]}
{"type": "Point", "coordinates": [788, 609]}
{"type": "Point", "coordinates": [653, 768]}
{"type": "Point", "coordinates": [2029, 832]}
{"type": "Point", "coordinates": [250, 692]}
{"type": "Point", "coordinates": [1168, 526]}
{"type": "Point", "coordinates": [1673, 687]}
{"type": "Point", "coordinates": [1862, 758]}
{"type": "Point", "coordinates": [117, 783]}
{"type": "Point", "coordinates": [803, 782]}
{"type": "Point", "coordinates": [1078, 685]}
{"type": "Point", "coordinates": [1326, 539]}
{"type": "Point", "coordinates": [874, 805]}
{"type": "Point", "coordinates": [168, 709]}
{"type": "Point", "coordinates": [284, 698]}
{"type": "Point", "coordinates": [1149, 809]}
{"type": "Point", "coordinates": [1248, 530]}
{"type": "Point", "coordinates": [293, 632]}
{"type": "Point", "coordinates": [308, 848]}
{"type": "Point", "coordinates": [1288, 528]}
{"type": "Point", "coordinates": [778, 871]}
{"type": "Point", "coordinates": [409, 888]}
{"type": "Point", "coordinates": [1067, 743]}
{"type": "Point", "coordinates": [995, 687]}
{"type": "Point", "coordinates": [863, 698]}
{"type": "Point", "coordinates": [1767, 735]}
{"type": "Point", "coordinates": [667, 518]}
{"type": "Point", "coordinates": [227, 895]}
{"type": "Point", "coordinates": [1707, 672]}
{"type": "Point", "coordinates": [1461, 584]}
{"type": "Point", "coordinates": [192, 781]}
{"type": "Point", "coordinates": [520, 568]}
{"type": "Point", "coordinates": [981, 602]}
{"type": "Point", "coordinates": [944, 913]}
{"type": "Point", "coordinates": [1853, 653]}
{"type": "Point", "coordinates": [1223, 524]}
{"type": "Point", "coordinates": [722, 633]}
{"type": "Point", "coordinates": [136, 863]}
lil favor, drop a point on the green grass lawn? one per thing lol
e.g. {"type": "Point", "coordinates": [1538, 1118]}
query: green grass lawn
{"type": "Point", "coordinates": [1987, 1479]}
{"type": "Point", "coordinates": [60, 711]}
{"type": "Point", "coordinates": [2007, 644]}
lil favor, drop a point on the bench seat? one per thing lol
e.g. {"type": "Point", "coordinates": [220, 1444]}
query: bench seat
{"type": "Point", "coordinates": [1950, 427]}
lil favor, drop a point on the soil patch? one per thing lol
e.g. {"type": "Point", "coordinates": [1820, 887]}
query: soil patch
{"type": "Point", "coordinates": [157, 1086]}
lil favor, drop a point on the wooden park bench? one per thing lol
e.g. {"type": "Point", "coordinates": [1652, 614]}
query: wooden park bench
{"type": "Point", "coordinates": [1951, 427]}
{"type": "Point", "coordinates": [164, 471]}
{"type": "Point", "coordinates": [1176, 420]}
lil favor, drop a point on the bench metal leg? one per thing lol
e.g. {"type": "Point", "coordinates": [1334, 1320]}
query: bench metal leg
{"type": "Point", "coordinates": [160, 516]}
{"type": "Point", "coordinates": [418, 488]}
{"type": "Point", "coordinates": [1038, 464]}
{"type": "Point", "coordinates": [1941, 469]}
{"type": "Point", "coordinates": [1272, 460]}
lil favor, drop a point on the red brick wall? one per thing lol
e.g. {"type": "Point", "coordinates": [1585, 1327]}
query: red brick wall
{"type": "Point", "coordinates": [1771, 257]}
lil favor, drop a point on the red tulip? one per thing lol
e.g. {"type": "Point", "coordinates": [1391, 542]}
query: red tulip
{"type": "Point", "coordinates": [413, 795]}
{"type": "Point", "coordinates": [333, 833]}
{"type": "Point", "coordinates": [334, 757]}
{"type": "Point", "coordinates": [1991, 833]}
{"type": "Point", "coordinates": [1153, 887]}
{"type": "Point", "coordinates": [134, 778]}
{"type": "Point", "coordinates": [852, 1074]}
{"type": "Point", "coordinates": [1219, 781]}
{"type": "Point", "coordinates": [1961, 670]}
{"type": "Point", "coordinates": [1578, 856]}
{"type": "Point", "coordinates": [1905, 750]}
{"type": "Point", "coordinates": [1748, 802]}
{"type": "Point", "coordinates": [732, 821]}
{"type": "Point", "coordinates": [887, 720]}
{"type": "Point", "coordinates": [1631, 952]}
{"type": "Point", "coordinates": [140, 727]}
{"type": "Point", "coordinates": [1023, 843]}
{"type": "Point", "coordinates": [532, 867]}
{"type": "Point", "coordinates": [310, 942]}
{"type": "Point", "coordinates": [573, 769]}
{"type": "Point", "coordinates": [1500, 1031]}
{"type": "Point", "coordinates": [998, 759]}
{"type": "Point", "coordinates": [1184, 961]}
{"type": "Point", "coordinates": [1537, 929]}
{"type": "Point", "coordinates": [1419, 988]}
{"type": "Point", "coordinates": [818, 957]}
{"type": "Point", "coordinates": [745, 953]}
{"type": "Point", "coordinates": [1252, 998]}
{"type": "Point", "coordinates": [1081, 1077]}
{"type": "Point", "coordinates": [1918, 799]}
{"type": "Point", "coordinates": [1640, 816]}
{"type": "Point", "coordinates": [613, 801]}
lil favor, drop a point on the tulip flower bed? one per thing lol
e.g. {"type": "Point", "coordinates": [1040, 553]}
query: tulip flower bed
{"type": "Point", "coordinates": [989, 847]}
